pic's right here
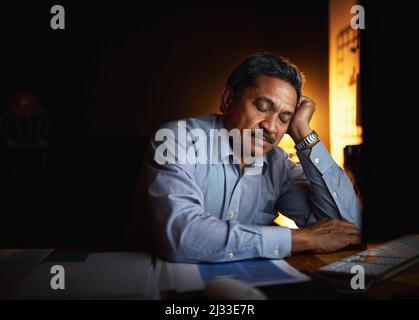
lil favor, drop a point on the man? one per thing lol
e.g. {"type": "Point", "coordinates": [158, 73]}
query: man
{"type": "Point", "coordinates": [223, 212]}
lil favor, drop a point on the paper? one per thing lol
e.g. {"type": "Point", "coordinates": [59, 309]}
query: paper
{"type": "Point", "coordinates": [104, 275]}
{"type": "Point", "coordinates": [193, 277]}
{"type": "Point", "coordinates": [15, 264]}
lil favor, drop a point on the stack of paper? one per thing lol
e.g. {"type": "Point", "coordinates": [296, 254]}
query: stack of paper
{"type": "Point", "coordinates": [107, 275]}
{"type": "Point", "coordinates": [15, 264]}
{"type": "Point", "coordinates": [193, 277]}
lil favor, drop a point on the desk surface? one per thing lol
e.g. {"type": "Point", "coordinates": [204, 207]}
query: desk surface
{"type": "Point", "coordinates": [403, 286]}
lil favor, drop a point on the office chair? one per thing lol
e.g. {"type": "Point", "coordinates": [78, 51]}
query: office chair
{"type": "Point", "coordinates": [108, 175]}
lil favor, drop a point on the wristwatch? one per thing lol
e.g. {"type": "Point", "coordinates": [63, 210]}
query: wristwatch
{"type": "Point", "coordinates": [307, 142]}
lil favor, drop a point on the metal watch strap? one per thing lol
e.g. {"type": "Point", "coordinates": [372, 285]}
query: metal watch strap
{"type": "Point", "coordinates": [307, 142]}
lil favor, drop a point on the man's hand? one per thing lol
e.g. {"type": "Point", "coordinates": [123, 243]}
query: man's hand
{"type": "Point", "coordinates": [325, 236]}
{"type": "Point", "coordinates": [299, 126]}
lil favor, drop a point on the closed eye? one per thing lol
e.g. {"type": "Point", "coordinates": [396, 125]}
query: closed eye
{"type": "Point", "coordinates": [263, 104]}
{"type": "Point", "coordinates": [285, 117]}
{"type": "Point", "coordinates": [263, 107]}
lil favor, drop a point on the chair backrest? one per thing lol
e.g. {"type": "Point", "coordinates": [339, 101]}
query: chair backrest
{"type": "Point", "coordinates": [110, 168]}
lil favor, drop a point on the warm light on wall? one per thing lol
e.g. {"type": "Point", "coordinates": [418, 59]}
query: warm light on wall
{"type": "Point", "coordinates": [344, 66]}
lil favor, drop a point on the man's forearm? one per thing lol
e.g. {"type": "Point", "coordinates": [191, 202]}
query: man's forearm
{"type": "Point", "coordinates": [300, 241]}
{"type": "Point", "coordinates": [300, 133]}
{"type": "Point", "coordinates": [333, 194]}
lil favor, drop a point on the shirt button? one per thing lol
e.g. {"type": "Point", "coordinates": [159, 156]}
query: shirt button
{"type": "Point", "coordinates": [231, 214]}
{"type": "Point", "coordinates": [276, 252]}
{"type": "Point", "coordinates": [335, 195]}
{"type": "Point", "coordinates": [316, 160]}
{"type": "Point", "coordinates": [231, 255]}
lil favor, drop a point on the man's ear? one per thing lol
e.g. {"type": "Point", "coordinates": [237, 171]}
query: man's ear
{"type": "Point", "coordinates": [227, 98]}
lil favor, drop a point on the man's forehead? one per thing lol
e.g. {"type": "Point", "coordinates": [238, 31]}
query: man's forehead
{"type": "Point", "coordinates": [278, 91]}
{"type": "Point", "coordinates": [278, 101]}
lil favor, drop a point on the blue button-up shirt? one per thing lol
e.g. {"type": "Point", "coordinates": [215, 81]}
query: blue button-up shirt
{"type": "Point", "coordinates": [217, 212]}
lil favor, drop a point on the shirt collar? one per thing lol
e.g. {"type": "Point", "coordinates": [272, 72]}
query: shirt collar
{"type": "Point", "coordinates": [226, 153]}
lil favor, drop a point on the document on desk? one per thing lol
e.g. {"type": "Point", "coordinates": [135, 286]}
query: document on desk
{"type": "Point", "coordinates": [192, 277]}
{"type": "Point", "coordinates": [101, 275]}
{"type": "Point", "coordinates": [15, 264]}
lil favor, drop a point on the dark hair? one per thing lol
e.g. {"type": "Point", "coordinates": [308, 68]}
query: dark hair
{"type": "Point", "coordinates": [248, 72]}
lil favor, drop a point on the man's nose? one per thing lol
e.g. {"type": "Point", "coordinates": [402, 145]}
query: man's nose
{"type": "Point", "coordinates": [269, 123]}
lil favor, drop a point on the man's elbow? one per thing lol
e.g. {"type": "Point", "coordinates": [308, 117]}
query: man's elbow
{"type": "Point", "coordinates": [173, 256]}
{"type": "Point", "coordinates": [173, 253]}
{"type": "Point", "coordinates": [188, 254]}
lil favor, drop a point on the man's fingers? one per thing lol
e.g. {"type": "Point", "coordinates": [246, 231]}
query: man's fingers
{"type": "Point", "coordinates": [335, 226]}
{"type": "Point", "coordinates": [302, 98]}
{"type": "Point", "coordinates": [342, 223]}
{"type": "Point", "coordinates": [347, 230]}
{"type": "Point", "coordinates": [354, 240]}
{"type": "Point", "coordinates": [306, 100]}
{"type": "Point", "coordinates": [349, 227]}
{"type": "Point", "coordinates": [326, 221]}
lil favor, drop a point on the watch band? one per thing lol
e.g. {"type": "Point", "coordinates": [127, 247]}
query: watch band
{"type": "Point", "coordinates": [307, 142]}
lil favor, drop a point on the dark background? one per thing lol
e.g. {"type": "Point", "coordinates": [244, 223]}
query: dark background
{"type": "Point", "coordinates": [389, 69]}
{"type": "Point", "coordinates": [127, 67]}
{"type": "Point", "coordinates": [117, 71]}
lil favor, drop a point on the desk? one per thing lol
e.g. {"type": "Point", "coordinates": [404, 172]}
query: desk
{"type": "Point", "coordinates": [130, 268]}
{"type": "Point", "coordinates": [403, 286]}
{"type": "Point", "coordinates": [85, 275]}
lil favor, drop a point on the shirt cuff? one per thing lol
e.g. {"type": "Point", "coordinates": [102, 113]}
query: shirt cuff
{"type": "Point", "coordinates": [276, 242]}
{"type": "Point", "coordinates": [319, 157]}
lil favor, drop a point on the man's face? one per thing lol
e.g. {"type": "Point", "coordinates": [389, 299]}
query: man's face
{"type": "Point", "coordinates": [268, 106]}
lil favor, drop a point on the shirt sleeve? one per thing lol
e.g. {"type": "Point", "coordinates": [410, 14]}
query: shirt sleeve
{"type": "Point", "coordinates": [184, 232]}
{"type": "Point", "coordinates": [318, 188]}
